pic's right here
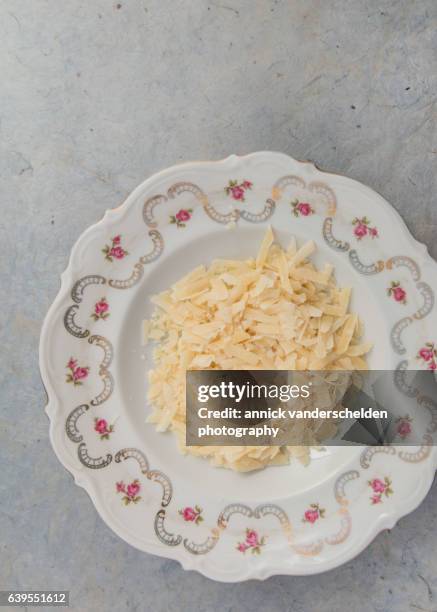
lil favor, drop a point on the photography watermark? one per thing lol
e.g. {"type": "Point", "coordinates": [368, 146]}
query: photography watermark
{"type": "Point", "coordinates": [269, 415]}
{"type": "Point", "coordinates": [266, 408]}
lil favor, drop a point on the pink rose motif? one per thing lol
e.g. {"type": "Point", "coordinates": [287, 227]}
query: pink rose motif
{"type": "Point", "coordinates": [101, 426]}
{"type": "Point", "coordinates": [426, 354]}
{"type": "Point", "coordinates": [252, 538]}
{"type": "Point", "coordinates": [189, 514]}
{"type": "Point", "coordinates": [305, 209]}
{"type": "Point", "coordinates": [377, 485]}
{"type": "Point", "coordinates": [117, 252]}
{"type": "Point", "coordinates": [101, 310]}
{"type": "Point", "coordinates": [130, 491]}
{"type": "Point", "coordinates": [301, 208]}
{"type": "Point", "coordinates": [252, 542]}
{"type": "Point", "coordinates": [404, 428]}
{"type": "Point", "coordinates": [360, 230]}
{"type": "Point", "coordinates": [380, 488]}
{"type": "Point", "coordinates": [133, 489]}
{"type": "Point", "coordinates": [76, 373]}
{"type": "Point", "coordinates": [313, 513]}
{"type": "Point", "coordinates": [237, 193]}
{"type": "Point", "coordinates": [429, 354]}
{"type": "Point", "coordinates": [72, 363]}
{"type": "Point", "coordinates": [80, 373]}
{"type": "Point", "coordinates": [192, 515]}
{"type": "Point", "coordinates": [399, 294]}
{"type": "Point", "coordinates": [114, 250]}
{"type": "Point", "coordinates": [237, 190]}
{"type": "Point", "coordinates": [311, 516]}
{"type": "Point", "coordinates": [101, 307]}
{"type": "Point", "coordinates": [183, 215]}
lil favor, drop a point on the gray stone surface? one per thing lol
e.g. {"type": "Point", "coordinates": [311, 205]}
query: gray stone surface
{"type": "Point", "coordinates": [96, 96]}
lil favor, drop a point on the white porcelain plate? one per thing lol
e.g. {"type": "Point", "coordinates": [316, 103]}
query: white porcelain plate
{"type": "Point", "coordinates": [229, 526]}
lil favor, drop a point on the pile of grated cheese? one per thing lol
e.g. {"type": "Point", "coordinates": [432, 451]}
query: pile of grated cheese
{"type": "Point", "coordinates": [273, 312]}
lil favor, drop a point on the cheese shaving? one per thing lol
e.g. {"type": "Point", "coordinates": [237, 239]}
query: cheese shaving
{"type": "Point", "coordinates": [275, 312]}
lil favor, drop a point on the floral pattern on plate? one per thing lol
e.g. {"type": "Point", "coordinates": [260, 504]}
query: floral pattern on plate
{"type": "Point", "coordinates": [130, 491]}
{"type": "Point", "coordinates": [76, 373]}
{"type": "Point", "coordinates": [192, 515]}
{"type": "Point", "coordinates": [114, 250]}
{"type": "Point", "coordinates": [428, 354]}
{"type": "Point", "coordinates": [380, 488]}
{"type": "Point", "coordinates": [101, 310]}
{"type": "Point", "coordinates": [238, 190]}
{"type": "Point", "coordinates": [181, 217]}
{"type": "Point", "coordinates": [103, 428]}
{"type": "Point", "coordinates": [313, 514]}
{"type": "Point", "coordinates": [403, 426]}
{"type": "Point", "coordinates": [363, 228]}
{"type": "Point", "coordinates": [301, 209]}
{"type": "Point", "coordinates": [251, 542]}
{"type": "Point", "coordinates": [397, 292]}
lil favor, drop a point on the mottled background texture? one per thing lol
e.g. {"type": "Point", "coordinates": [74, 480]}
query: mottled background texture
{"type": "Point", "coordinates": [94, 97]}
